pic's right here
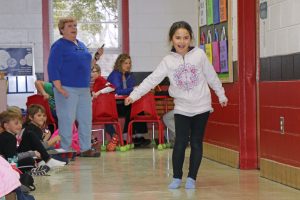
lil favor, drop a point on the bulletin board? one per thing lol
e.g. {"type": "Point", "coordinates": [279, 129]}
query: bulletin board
{"type": "Point", "coordinates": [17, 64]}
{"type": "Point", "coordinates": [16, 60]}
{"type": "Point", "coordinates": [215, 35]}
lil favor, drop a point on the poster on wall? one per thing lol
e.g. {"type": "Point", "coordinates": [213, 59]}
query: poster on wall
{"type": "Point", "coordinates": [218, 42]}
{"type": "Point", "coordinates": [16, 61]}
{"type": "Point", "coordinates": [202, 13]}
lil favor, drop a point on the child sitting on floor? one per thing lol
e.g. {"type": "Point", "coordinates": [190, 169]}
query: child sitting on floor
{"type": "Point", "coordinates": [102, 86]}
{"type": "Point", "coordinates": [12, 125]}
{"type": "Point", "coordinates": [32, 136]}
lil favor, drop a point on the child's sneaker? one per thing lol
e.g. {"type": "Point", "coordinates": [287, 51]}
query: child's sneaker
{"type": "Point", "coordinates": [111, 146]}
{"type": "Point", "coordinates": [52, 163]}
{"type": "Point", "coordinates": [40, 171]}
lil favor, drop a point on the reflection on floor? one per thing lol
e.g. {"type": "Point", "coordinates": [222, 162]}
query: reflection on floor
{"type": "Point", "coordinates": [145, 173]}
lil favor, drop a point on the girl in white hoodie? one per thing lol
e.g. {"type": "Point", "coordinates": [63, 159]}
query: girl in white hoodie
{"type": "Point", "coordinates": [190, 74]}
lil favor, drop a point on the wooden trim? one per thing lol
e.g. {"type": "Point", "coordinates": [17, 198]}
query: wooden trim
{"type": "Point", "coordinates": [221, 154]}
{"type": "Point", "coordinates": [279, 172]}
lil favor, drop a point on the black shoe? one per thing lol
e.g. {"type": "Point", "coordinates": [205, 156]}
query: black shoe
{"type": "Point", "coordinates": [138, 141]}
{"type": "Point", "coordinates": [145, 142]}
{"type": "Point", "coordinates": [90, 153]}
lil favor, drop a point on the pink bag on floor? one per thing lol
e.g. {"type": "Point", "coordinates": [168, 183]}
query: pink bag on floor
{"type": "Point", "coordinates": [75, 139]}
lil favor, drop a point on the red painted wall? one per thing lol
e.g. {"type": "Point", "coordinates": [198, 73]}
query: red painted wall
{"type": "Point", "coordinates": [223, 125]}
{"type": "Point", "coordinates": [280, 99]}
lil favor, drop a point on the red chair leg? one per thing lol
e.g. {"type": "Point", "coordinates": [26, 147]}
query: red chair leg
{"type": "Point", "coordinates": [129, 133]}
{"type": "Point", "coordinates": [120, 134]}
{"type": "Point", "coordinates": [161, 132]}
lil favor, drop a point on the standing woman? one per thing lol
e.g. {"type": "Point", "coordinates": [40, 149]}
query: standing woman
{"type": "Point", "coordinates": [69, 68]}
{"type": "Point", "coordinates": [190, 74]}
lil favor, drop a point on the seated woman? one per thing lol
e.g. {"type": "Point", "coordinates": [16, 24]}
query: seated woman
{"type": "Point", "coordinates": [124, 82]}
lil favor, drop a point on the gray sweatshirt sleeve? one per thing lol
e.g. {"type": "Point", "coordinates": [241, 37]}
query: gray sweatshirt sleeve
{"type": "Point", "coordinates": [26, 154]}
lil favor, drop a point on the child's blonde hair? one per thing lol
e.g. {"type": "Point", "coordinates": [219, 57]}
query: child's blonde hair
{"type": "Point", "coordinates": [96, 67]}
{"type": "Point", "coordinates": [15, 109]}
{"type": "Point", "coordinates": [7, 116]}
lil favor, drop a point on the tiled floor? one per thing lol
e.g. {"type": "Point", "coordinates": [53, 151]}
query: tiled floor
{"type": "Point", "coordinates": [144, 174]}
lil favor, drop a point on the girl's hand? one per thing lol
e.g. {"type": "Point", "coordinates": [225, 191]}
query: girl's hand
{"type": "Point", "coordinates": [96, 94]}
{"type": "Point", "coordinates": [53, 141]}
{"type": "Point", "coordinates": [46, 135]}
{"type": "Point", "coordinates": [128, 101]}
{"type": "Point", "coordinates": [224, 103]}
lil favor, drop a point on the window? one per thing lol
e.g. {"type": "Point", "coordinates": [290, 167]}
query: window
{"type": "Point", "coordinates": [98, 22]}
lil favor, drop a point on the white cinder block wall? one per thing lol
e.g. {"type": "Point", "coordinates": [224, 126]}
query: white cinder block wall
{"type": "Point", "coordinates": [149, 23]}
{"type": "Point", "coordinates": [280, 32]}
{"type": "Point", "coordinates": [21, 23]}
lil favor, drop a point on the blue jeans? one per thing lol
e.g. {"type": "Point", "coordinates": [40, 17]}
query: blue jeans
{"type": "Point", "coordinates": [77, 106]}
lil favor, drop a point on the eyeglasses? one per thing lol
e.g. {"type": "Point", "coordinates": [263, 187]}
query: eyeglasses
{"type": "Point", "coordinates": [95, 71]}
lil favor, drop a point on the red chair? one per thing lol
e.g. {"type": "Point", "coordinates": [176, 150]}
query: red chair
{"type": "Point", "coordinates": [105, 112]}
{"type": "Point", "coordinates": [147, 105]}
{"type": "Point", "coordinates": [39, 99]}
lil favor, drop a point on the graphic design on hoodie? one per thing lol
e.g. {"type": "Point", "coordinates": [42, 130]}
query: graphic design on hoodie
{"type": "Point", "coordinates": [186, 77]}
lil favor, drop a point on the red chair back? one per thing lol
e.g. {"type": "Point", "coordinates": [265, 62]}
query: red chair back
{"type": "Point", "coordinates": [145, 104]}
{"type": "Point", "coordinates": [39, 99]}
{"type": "Point", "coordinates": [104, 108]}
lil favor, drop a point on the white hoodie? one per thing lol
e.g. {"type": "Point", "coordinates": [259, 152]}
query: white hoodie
{"type": "Point", "coordinates": [189, 77]}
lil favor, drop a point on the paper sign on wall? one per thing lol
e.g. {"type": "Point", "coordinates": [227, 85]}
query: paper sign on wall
{"type": "Point", "coordinates": [223, 10]}
{"type": "Point", "coordinates": [202, 13]}
{"type": "Point", "coordinates": [209, 12]}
